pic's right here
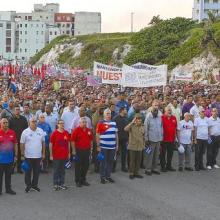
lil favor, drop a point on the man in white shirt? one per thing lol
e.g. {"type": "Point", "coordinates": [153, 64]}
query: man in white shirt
{"type": "Point", "coordinates": [194, 111]}
{"type": "Point", "coordinates": [68, 116]}
{"type": "Point", "coordinates": [201, 139]}
{"type": "Point", "coordinates": [176, 110]}
{"type": "Point", "coordinates": [33, 149]}
{"type": "Point", "coordinates": [214, 134]}
{"type": "Point", "coordinates": [184, 134]}
{"type": "Point", "coordinates": [50, 117]}
{"type": "Point", "coordinates": [82, 114]}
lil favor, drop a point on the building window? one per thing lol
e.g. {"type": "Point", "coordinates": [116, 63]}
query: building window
{"type": "Point", "coordinates": [63, 25]}
{"type": "Point", "coordinates": [55, 33]}
{"type": "Point", "coordinates": [8, 26]}
{"type": "Point", "coordinates": [37, 51]}
{"type": "Point", "coordinates": [8, 41]}
{"type": "Point", "coordinates": [25, 32]}
{"type": "Point", "coordinates": [25, 50]}
{"type": "Point", "coordinates": [37, 32]}
{"type": "Point", "coordinates": [206, 1]}
{"type": "Point", "coordinates": [26, 18]}
{"type": "Point", "coordinates": [20, 50]}
{"type": "Point", "coordinates": [42, 33]}
{"type": "Point", "coordinates": [20, 25]}
{"type": "Point", "coordinates": [8, 49]}
{"type": "Point", "coordinates": [68, 25]}
{"type": "Point", "coordinates": [1, 25]}
{"type": "Point", "coordinates": [20, 32]}
{"type": "Point", "coordinates": [8, 33]}
{"type": "Point", "coordinates": [25, 40]}
{"type": "Point", "coordinates": [29, 18]}
{"type": "Point", "coordinates": [26, 25]}
{"type": "Point", "coordinates": [51, 33]}
{"type": "Point", "coordinates": [37, 25]}
{"type": "Point", "coordinates": [58, 25]}
{"type": "Point", "coordinates": [47, 18]}
{"type": "Point", "coordinates": [67, 32]}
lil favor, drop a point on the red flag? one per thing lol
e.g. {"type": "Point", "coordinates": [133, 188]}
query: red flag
{"type": "Point", "coordinates": [102, 127]}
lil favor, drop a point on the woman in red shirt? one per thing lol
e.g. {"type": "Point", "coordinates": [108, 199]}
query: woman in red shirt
{"type": "Point", "coordinates": [82, 138]}
{"type": "Point", "coordinates": [60, 153]}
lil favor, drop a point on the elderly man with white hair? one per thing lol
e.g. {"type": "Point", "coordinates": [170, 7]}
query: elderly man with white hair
{"type": "Point", "coordinates": [185, 137]}
{"type": "Point", "coordinates": [107, 144]}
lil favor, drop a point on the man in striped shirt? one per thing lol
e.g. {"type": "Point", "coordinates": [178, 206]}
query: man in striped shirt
{"type": "Point", "coordinates": [107, 144]}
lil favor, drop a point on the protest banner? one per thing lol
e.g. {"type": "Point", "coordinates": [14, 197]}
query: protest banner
{"type": "Point", "coordinates": [143, 75]}
{"type": "Point", "coordinates": [109, 74]}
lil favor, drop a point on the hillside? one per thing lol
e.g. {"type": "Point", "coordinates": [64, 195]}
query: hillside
{"type": "Point", "coordinates": [173, 42]}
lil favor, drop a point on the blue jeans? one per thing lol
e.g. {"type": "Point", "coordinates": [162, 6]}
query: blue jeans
{"type": "Point", "coordinates": [59, 172]}
{"type": "Point", "coordinates": [107, 163]}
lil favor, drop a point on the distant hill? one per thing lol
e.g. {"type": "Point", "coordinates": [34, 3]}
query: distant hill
{"type": "Point", "coordinates": [173, 42]}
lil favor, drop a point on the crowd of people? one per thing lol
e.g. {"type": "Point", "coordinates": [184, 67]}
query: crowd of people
{"type": "Point", "coordinates": [102, 126]}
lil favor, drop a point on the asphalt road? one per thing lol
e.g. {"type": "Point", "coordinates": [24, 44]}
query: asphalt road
{"type": "Point", "coordinates": [170, 196]}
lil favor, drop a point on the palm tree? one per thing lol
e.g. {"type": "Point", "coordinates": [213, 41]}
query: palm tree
{"type": "Point", "coordinates": [155, 20]}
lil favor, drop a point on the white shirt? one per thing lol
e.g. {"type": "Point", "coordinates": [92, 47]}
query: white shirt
{"type": "Point", "coordinates": [68, 118]}
{"type": "Point", "coordinates": [51, 119]}
{"type": "Point", "coordinates": [177, 112]}
{"type": "Point", "coordinates": [32, 141]}
{"type": "Point", "coordinates": [214, 126]}
{"type": "Point", "coordinates": [202, 127]}
{"type": "Point", "coordinates": [185, 129]}
{"type": "Point", "coordinates": [195, 111]}
{"type": "Point", "coordinates": [75, 122]}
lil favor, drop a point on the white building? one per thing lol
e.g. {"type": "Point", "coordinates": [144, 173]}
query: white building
{"type": "Point", "coordinates": [201, 8]}
{"type": "Point", "coordinates": [7, 39]}
{"type": "Point", "coordinates": [53, 32]}
{"type": "Point", "coordinates": [87, 23]}
{"type": "Point", "coordinates": [32, 38]}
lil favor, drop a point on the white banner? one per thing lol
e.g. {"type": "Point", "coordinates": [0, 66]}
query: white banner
{"type": "Point", "coordinates": [143, 75]}
{"type": "Point", "coordinates": [109, 74]}
{"type": "Point", "coordinates": [182, 76]}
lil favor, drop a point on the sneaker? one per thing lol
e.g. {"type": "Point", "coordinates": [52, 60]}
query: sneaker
{"type": "Point", "coordinates": [138, 176]}
{"type": "Point", "coordinates": [11, 192]}
{"type": "Point", "coordinates": [147, 172]}
{"type": "Point", "coordinates": [63, 187]}
{"type": "Point", "coordinates": [110, 179]}
{"type": "Point", "coordinates": [56, 188]}
{"type": "Point", "coordinates": [180, 169]}
{"type": "Point", "coordinates": [216, 166]}
{"type": "Point", "coordinates": [35, 188]}
{"type": "Point", "coordinates": [103, 181]}
{"type": "Point", "coordinates": [131, 177]}
{"type": "Point", "coordinates": [85, 183]}
{"type": "Point", "coordinates": [78, 184]}
{"type": "Point", "coordinates": [156, 172]}
{"type": "Point", "coordinates": [209, 167]}
{"type": "Point", "coordinates": [27, 189]}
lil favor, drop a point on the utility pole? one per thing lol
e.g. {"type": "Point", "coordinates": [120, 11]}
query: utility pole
{"type": "Point", "coordinates": [132, 21]}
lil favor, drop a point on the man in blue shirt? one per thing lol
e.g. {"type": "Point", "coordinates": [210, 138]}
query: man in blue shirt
{"type": "Point", "coordinates": [47, 129]}
{"type": "Point", "coordinates": [121, 103]}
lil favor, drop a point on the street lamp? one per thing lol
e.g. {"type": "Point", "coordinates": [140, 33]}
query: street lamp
{"type": "Point", "coordinates": [132, 21]}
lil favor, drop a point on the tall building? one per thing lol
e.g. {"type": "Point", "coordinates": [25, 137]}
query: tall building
{"type": "Point", "coordinates": [87, 23]}
{"type": "Point", "coordinates": [24, 34]}
{"type": "Point", "coordinates": [201, 8]}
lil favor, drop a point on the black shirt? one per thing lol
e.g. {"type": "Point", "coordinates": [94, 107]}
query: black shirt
{"type": "Point", "coordinates": [18, 125]}
{"type": "Point", "coordinates": [121, 123]}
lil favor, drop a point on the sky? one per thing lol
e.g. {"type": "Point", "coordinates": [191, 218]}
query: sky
{"type": "Point", "coordinates": [116, 14]}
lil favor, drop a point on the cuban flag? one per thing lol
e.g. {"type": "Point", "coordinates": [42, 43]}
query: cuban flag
{"type": "Point", "coordinates": [12, 86]}
{"type": "Point", "coordinates": [102, 127]}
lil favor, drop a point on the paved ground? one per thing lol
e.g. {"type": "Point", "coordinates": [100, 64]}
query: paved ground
{"type": "Point", "coordinates": [171, 196]}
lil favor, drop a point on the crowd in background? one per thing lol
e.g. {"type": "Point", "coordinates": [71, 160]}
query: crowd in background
{"type": "Point", "coordinates": [103, 125]}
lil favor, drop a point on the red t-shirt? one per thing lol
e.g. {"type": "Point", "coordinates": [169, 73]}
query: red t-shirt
{"type": "Point", "coordinates": [82, 137]}
{"type": "Point", "coordinates": [60, 145]}
{"type": "Point", "coordinates": [169, 128]}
